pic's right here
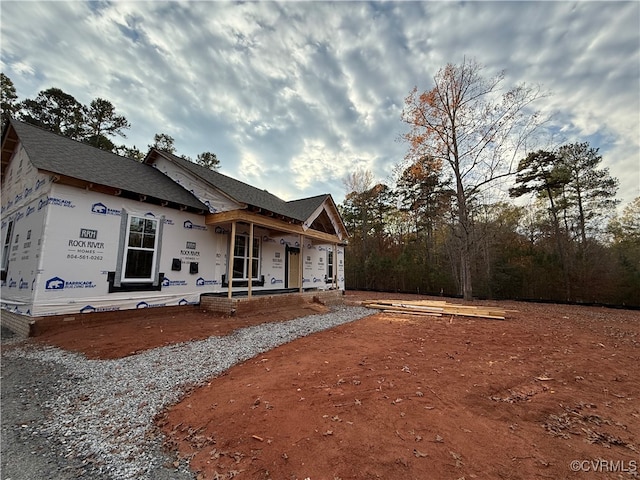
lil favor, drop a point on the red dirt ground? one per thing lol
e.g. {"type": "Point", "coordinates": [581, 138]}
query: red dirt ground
{"type": "Point", "coordinates": [107, 335]}
{"type": "Point", "coordinates": [408, 397]}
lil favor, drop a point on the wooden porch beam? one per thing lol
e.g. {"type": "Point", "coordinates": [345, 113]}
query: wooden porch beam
{"type": "Point", "coordinates": [232, 246]}
{"type": "Point", "coordinates": [250, 266]}
{"type": "Point", "coordinates": [268, 222]}
{"type": "Point", "coordinates": [301, 265]}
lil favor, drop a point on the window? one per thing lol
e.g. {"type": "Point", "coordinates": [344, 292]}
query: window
{"type": "Point", "coordinates": [141, 250]}
{"type": "Point", "coordinates": [329, 266]}
{"type": "Point", "coordinates": [6, 248]}
{"type": "Point", "coordinates": [138, 263]}
{"type": "Point", "coordinates": [241, 258]}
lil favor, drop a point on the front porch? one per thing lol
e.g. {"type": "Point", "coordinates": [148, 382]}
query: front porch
{"type": "Point", "coordinates": [272, 253]}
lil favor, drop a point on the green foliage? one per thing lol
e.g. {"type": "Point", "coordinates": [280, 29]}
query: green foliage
{"type": "Point", "coordinates": [589, 193]}
{"type": "Point", "coordinates": [625, 233]}
{"type": "Point", "coordinates": [130, 152]}
{"type": "Point", "coordinates": [8, 99]}
{"type": "Point", "coordinates": [404, 239]}
{"type": "Point", "coordinates": [102, 122]}
{"type": "Point", "coordinates": [539, 173]}
{"type": "Point", "coordinates": [59, 112]}
{"type": "Point", "coordinates": [163, 142]}
{"type": "Point", "coordinates": [96, 124]}
{"type": "Point", "coordinates": [54, 110]}
{"type": "Point", "coordinates": [208, 160]}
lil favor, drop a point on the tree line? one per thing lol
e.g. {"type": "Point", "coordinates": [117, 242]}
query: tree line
{"type": "Point", "coordinates": [445, 224]}
{"type": "Point", "coordinates": [96, 124]}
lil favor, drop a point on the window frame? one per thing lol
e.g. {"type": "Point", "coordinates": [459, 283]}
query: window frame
{"type": "Point", "coordinates": [244, 257]}
{"type": "Point", "coordinates": [330, 266]}
{"type": "Point", "coordinates": [128, 248]}
{"type": "Point", "coordinates": [117, 279]}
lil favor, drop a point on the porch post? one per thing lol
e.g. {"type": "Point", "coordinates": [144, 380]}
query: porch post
{"type": "Point", "coordinates": [232, 246]}
{"type": "Point", "coordinates": [250, 269]}
{"type": "Point", "coordinates": [301, 264]}
{"type": "Point", "coordinates": [334, 280]}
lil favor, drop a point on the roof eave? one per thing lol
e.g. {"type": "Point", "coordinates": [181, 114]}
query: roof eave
{"type": "Point", "coordinates": [117, 192]}
{"type": "Point", "coordinates": [10, 141]}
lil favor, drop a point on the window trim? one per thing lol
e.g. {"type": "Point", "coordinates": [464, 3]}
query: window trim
{"type": "Point", "coordinates": [330, 265]}
{"type": "Point", "coordinates": [127, 249]}
{"type": "Point", "coordinates": [256, 258]}
{"type": "Point", "coordinates": [117, 280]}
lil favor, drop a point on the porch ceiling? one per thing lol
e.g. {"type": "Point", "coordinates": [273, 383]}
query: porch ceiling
{"type": "Point", "coordinates": [272, 223]}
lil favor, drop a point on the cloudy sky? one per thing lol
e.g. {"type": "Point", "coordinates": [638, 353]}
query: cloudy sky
{"type": "Point", "coordinates": [293, 96]}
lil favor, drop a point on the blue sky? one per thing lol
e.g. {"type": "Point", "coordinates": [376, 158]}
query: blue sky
{"type": "Point", "coordinates": [294, 96]}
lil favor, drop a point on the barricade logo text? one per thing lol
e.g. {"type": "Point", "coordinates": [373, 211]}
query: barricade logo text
{"type": "Point", "coordinates": [102, 209]}
{"type": "Point", "coordinates": [55, 283]}
{"type": "Point", "coordinates": [173, 283]}
{"type": "Point", "coordinates": [201, 282]}
{"type": "Point", "coordinates": [192, 226]}
{"type": "Point", "coordinates": [91, 309]}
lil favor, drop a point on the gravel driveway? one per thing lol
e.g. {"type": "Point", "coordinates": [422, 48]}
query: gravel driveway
{"type": "Point", "coordinates": [66, 417]}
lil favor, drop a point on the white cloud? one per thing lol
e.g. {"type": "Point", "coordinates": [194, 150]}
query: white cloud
{"type": "Point", "coordinates": [293, 96]}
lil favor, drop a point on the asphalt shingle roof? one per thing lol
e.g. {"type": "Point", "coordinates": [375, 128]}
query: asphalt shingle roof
{"type": "Point", "coordinates": [61, 155]}
{"type": "Point", "coordinates": [244, 193]}
{"type": "Point", "coordinates": [304, 207]}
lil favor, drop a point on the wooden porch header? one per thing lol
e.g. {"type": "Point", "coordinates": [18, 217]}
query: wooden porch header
{"type": "Point", "coordinates": [271, 223]}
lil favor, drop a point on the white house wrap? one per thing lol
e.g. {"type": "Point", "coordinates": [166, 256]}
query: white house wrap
{"type": "Point", "coordinates": [84, 230]}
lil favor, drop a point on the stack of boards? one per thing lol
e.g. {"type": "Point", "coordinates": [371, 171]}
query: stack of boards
{"type": "Point", "coordinates": [435, 308]}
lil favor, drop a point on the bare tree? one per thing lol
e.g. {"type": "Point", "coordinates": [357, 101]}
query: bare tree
{"type": "Point", "coordinates": [358, 181]}
{"type": "Point", "coordinates": [476, 132]}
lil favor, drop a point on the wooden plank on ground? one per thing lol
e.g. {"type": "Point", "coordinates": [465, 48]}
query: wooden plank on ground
{"type": "Point", "coordinates": [436, 308]}
{"type": "Point", "coordinates": [407, 312]}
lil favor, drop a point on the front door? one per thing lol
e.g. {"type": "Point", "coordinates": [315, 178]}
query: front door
{"type": "Point", "coordinates": [293, 268]}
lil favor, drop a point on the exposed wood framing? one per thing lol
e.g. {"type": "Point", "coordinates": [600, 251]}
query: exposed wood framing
{"type": "Point", "coordinates": [232, 246]}
{"type": "Point", "coordinates": [76, 182]}
{"type": "Point", "coordinates": [250, 266]}
{"type": "Point", "coordinates": [8, 147]}
{"type": "Point", "coordinates": [332, 215]}
{"type": "Point", "coordinates": [268, 222]}
{"type": "Point", "coordinates": [301, 265]}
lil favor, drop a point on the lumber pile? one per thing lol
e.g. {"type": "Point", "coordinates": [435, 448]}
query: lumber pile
{"type": "Point", "coordinates": [435, 308]}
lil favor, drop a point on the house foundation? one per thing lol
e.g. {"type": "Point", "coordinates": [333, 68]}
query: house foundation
{"type": "Point", "coordinates": [243, 305]}
{"type": "Point", "coordinates": [26, 326]}
{"type": "Point", "coordinates": [21, 325]}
